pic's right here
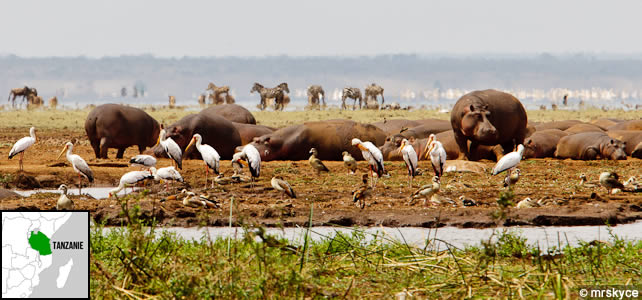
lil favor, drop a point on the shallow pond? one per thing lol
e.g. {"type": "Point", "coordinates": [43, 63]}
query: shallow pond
{"type": "Point", "coordinates": [95, 192]}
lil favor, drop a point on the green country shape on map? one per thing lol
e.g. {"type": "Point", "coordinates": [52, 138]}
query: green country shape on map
{"type": "Point", "coordinates": [40, 243]}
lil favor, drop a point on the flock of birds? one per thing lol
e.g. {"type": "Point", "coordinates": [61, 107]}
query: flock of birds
{"type": "Point", "coordinates": [249, 156]}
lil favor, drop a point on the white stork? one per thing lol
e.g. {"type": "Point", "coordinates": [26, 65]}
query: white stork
{"type": "Point", "coordinates": [79, 165]}
{"type": "Point", "coordinates": [143, 161]}
{"type": "Point", "coordinates": [131, 179]}
{"type": "Point", "coordinates": [509, 160]}
{"type": "Point", "coordinates": [171, 148]}
{"type": "Point", "coordinates": [167, 174]}
{"type": "Point", "coordinates": [23, 144]}
{"type": "Point", "coordinates": [64, 202]}
{"type": "Point", "coordinates": [374, 157]}
{"type": "Point", "coordinates": [250, 157]}
{"type": "Point", "coordinates": [437, 157]}
{"type": "Point", "coordinates": [410, 157]}
{"type": "Point", "coordinates": [209, 155]}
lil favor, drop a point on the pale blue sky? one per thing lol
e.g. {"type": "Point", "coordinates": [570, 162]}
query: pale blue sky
{"type": "Point", "coordinates": [304, 28]}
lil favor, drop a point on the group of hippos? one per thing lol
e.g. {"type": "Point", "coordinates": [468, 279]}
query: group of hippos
{"type": "Point", "coordinates": [483, 125]}
{"type": "Point", "coordinates": [278, 96]}
{"type": "Point", "coordinates": [30, 94]}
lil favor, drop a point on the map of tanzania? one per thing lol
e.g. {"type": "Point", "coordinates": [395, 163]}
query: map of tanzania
{"type": "Point", "coordinates": [45, 254]}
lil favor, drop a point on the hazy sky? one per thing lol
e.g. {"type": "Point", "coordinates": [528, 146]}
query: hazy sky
{"type": "Point", "coordinates": [302, 28]}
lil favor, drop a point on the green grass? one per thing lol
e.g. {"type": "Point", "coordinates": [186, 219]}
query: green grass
{"type": "Point", "coordinates": [75, 119]}
{"type": "Point", "coordinates": [134, 261]}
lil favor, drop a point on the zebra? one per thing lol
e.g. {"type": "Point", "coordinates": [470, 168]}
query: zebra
{"type": "Point", "coordinates": [352, 93]}
{"type": "Point", "coordinates": [276, 92]}
{"type": "Point", "coordinates": [313, 95]}
{"type": "Point", "coordinates": [372, 91]}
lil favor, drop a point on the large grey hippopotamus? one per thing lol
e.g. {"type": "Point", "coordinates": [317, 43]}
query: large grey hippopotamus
{"type": "Point", "coordinates": [488, 117]}
{"type": "Point", "coordinates": [632, 138]}
{"type": "Point", "coordinates": [542, 143]}
{"type": "Point", "coordinates": [447, 139]}
{"type": "Point", "coordinates": [215, 130]}
{"type": "Point", "coordinates": [118, 126]}
{"type": "Point", "coordinates": [330, 138]}
{"type": "Point", "coordinates": [590, 146]}
{"type": "Point", "coordinates": [232, 112]}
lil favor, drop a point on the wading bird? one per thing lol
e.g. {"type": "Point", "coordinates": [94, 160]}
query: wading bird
{"type": "Point", "coordinates": [23, 144]}
{"type": "Point", "coordinates": [167, 174]}
{"type": "Point", "coordinates": [250, 157]}
{"type": "Point", "coordinates": [437, 157]}
{"type": "Point", "coordinates": [64, 203]}
{"type": "Point", "coordinates": [80, 165]}
{"type": "Point", "coordinates": [509, 161]}
{"type": "Point", "coordinates": [171, 148]}
{"type": "Point", "coordinates": [143, 161]}
{"type": "Point", "coordinates": [209, 155]}
{"type": "Point", "coordinates": [283, 186]}
{"type": "Point", "coordinates": [410, 157]}
{"type": "Point", "coordinates": [374, 157]}
{"type": "Point", "coordinates": [316, 163]}
{"type": "Point", "coordinates": [349, 162]}
{"type": "Point", "coordinates": [131, 179]}
{"type": "Point", "coordinates": [610, 181]}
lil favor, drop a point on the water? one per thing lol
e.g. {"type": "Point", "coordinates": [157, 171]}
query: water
{"type": "Point", "coordinates": [545, 237]}
{"type": "Point", "coordinates": [95, 192]}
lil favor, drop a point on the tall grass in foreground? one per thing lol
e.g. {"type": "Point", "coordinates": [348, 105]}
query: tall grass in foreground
{"type": "Point", "coordinates": [136, 261]}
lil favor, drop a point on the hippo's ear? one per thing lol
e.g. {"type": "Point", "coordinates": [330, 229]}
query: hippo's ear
{"type": "Point", "coordinates": [472, 108]}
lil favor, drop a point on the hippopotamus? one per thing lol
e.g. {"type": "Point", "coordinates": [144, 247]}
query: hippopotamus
{"type": "Point", "coordinates": [632, 138]}
{"type": "Point", "coordinates": [447, 139]}
{"type": "Point", "coordinates": [232, 112]}
{"type": "Point", "coordinates": [561, 125]}
{"type": "Point", "coordinates": [542, 143]}
{"type": "Point", "coordinates": [215, 130]}
{"type": "Point", "coordinates": [627, 125]}
{"type": "Point", "coordinates": [426, 129]}
{"type": "Point", "coordinates": [488, 117]}
{"type": "Point", "coordinates": [396, 125]}
{"type": "Point", "coordinates": [330, 138]}
{"type": "Point", "coordinates": [606, 122]}
{"type": "Point", "coordinates": [583, 127]}
{"type": "Point", "coordinates": [118, 126]}
{"type": "Point", "coordinates": [249, 131]}
{"type": "Point", "coordinates": [590, 146]}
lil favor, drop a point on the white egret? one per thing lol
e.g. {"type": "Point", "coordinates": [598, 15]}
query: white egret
{"type": "Point", "coordinates": [209, 155]}
{"type": "Point", "coordinates": [80, 165]}
{"type": "Point", "coordinates": [23, 144]}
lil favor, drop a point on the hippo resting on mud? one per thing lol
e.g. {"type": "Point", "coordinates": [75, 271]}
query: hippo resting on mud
{"type": "Point", "coordinates": [118, 126]}
{"type": "Point", "coordinates": [395, 126]}
{"type": "Point", "coordinates": [249, 131]}
{"type": "Point", "coordinates": [215, 130]}
{"type": "Point", "coordinates": [232, 112]}
{"type": "Point", "coordinates": [543, 143]}
{"type": "Point", "coordinates": [447, 139]}
{"type": "Point", "coordinates": [330, 138]}
{"type": "Point", "coordinates": [627, 125]}
{"type": "Point", "coordinates": [633, 140]}
{"type": "Point", "coordinates": [490, 118]}
{"type": "Point", "coordinates": [426, 129]}
{"type": "Point", "coordinates": [590, 146]}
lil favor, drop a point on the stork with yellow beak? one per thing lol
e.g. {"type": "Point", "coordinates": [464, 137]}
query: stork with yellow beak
{"type": "Point", "coordinates": [80, 165]}
{"type": "Point", "coordinates": [23, 144]}
{"type": "Point", "coordinates": [250, 157]}
{"type": "Point", "coordinates": [171, 148]}
{"type": "Point", "coordinates": [410, 157]}
{"type": "Point", "coordinates": [210, 156]}
{"type": "Point", "coordinates": [374, 157]}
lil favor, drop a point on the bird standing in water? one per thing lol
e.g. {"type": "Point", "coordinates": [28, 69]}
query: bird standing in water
{"type": "Point", "coordinates": [80, 165]}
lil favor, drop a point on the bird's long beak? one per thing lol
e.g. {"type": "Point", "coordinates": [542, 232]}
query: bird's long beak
{"type": "Point", "coordinates": [190, 144]}
{"type": "Point", "coordinates": [428, 150]}
{"type": "Point", "coordinates": [61, 152]}
{"type": "Point", "coordinates": [243, 162]}
{"type": "Point", "coordinates": [403, 144]}
{"type": "Point", "coordinates": [157, 141]}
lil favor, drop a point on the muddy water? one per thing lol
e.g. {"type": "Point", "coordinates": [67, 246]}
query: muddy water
{"type": "Point", "coordinates": [95, 192]}
{"type": "Point", "coordinates": [545, 237]}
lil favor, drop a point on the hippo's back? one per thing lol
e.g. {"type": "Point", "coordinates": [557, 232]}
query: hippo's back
{"type": "Point", "coordinates": [232, 112]}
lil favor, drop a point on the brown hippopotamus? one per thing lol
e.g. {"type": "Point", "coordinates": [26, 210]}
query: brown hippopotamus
{"type": "Point", "coordinates": [215, 130]}
{"type": "Point", "coordinates": [249, 131]}
{"type": "Point", "coordinates": [426, 129]}
{"type": "Point", "coordinates": [632, 138]}
{"type": "Point", "coordinates": [583, 127]}
{"type": "Point", "coordinates": [232, 112]}
{"type": "Point", "coordinates": [118, 126]}
{"type": "Point", "coordinates": [590, 146]}
{"type": "Point", "coordinates": [330, 138]}
{"type": "Point", "coordinates": [627, 125]}
{"type": "Point", "coordinates": [542, 143]}
{"type": "Point", "coordinates": [447, 139]}
{"type": "Point", "coordinates": [561, 125]}
{"type": "Point", "coordinates": [606, 122]}
{"type": "Point", "coordinates": [395, 125]}
{"type": "Point", "coordinates": [488, 117]}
